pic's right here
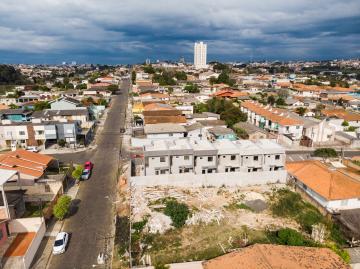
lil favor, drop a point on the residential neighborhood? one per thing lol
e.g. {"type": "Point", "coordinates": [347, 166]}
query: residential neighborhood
{"type": "Point", "coordinates": [179, 135]}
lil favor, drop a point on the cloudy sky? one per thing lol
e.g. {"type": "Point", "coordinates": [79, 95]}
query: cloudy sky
{"type": "Point", "coordinates": [129, 31]}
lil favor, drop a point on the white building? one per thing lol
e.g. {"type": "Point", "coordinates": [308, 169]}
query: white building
{"type": "Point", "coordinates": [200, 53]}
{"type": "Point", "coordinates": [202, 157]}
{"type": "Point", "coordinates": [328, 187]}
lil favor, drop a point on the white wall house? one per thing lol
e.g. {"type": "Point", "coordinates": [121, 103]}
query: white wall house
{"type": "Point", "coordinates": [200, 158]}
{"type": "Point", "coordinates": [330, 188]}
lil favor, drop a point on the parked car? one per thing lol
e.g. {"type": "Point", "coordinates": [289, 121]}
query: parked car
{"type": "Point", "coordinates": [32, 149]}
{"type": "Point", "coordinates": [60, 243]}
{"type": "Point", "coordinates": [88, 166]}
{"type": "Point", "coordinates": [85, 174]}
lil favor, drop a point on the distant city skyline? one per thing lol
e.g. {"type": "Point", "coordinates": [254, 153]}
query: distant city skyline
{"type": "Point", "coordinates": [111, 32]}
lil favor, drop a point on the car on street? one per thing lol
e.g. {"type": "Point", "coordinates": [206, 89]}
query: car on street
{"type": "Point", "coordinates": [32, 149]}
{"type": "Point", "coordinates": [88, 166]}
{"type": "Point", "coordinates": [85, 174]}
{"type": "Point", "coordinates": [61, 241]}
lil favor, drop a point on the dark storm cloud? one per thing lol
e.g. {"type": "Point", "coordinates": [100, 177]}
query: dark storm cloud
{"type": "Point", "coordinates": [129, 31]}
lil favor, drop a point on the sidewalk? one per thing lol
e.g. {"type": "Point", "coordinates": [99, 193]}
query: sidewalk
{"type": "Point", "coordinates": [43, 255]}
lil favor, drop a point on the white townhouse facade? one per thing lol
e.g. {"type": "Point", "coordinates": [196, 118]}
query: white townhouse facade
{"type": "Point", "coordinates": [200, 157]}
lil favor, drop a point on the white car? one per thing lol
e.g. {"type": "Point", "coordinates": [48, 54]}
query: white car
{"type": "Point", "coordinates": [60, 243]}
{"type": "Point", "coordinates": [85, 174]}
{"type": "Point", "coordinates": [32, 149]}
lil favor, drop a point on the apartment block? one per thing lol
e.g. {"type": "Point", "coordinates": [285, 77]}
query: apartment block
{"type": "Point", "coordinates": [202, 157]}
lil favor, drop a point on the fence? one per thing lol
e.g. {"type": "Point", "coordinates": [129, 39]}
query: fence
{"type": "Point", "coordinates": [216, 179]}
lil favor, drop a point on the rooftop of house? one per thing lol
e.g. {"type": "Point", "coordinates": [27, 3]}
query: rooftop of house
{"type": "Point", "coordinates": [267, 256]}
{"type": "Point", "coordinates": [230, 93]}
{"type": "Point", "coordinates": [163, 128]}
{"type": "Point", "coordinates": [329, 183]}
{"type": "Point", "coordinates": [66, 112]}
{"type": "Point", "coordinates": [15, 112]}
{"type": "Point", "coordinates": [25, 162]}
{"type": "Point", "coordinates": [249, 128]}
{"type": "Point", "coordinates": [157, 107]}
{"type": "Point", "coordinates": [279, 116]}
{"type": "Point", "coordinates": [164, 119]}
{"type": "Point", "coordinates": [220, 131]}
{"type": "Point", "coordinates": [341, 114]}
{"type": "Point", "coordinates": [212, 122]}
{"type": "Point", "coordinates": [67, 99]}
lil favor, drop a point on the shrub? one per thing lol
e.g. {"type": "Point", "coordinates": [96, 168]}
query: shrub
{"type": "Point", "coordinates": [161, 266]}
{"type": "Point", "coordinates": [290, 237]}
{"type": "Point", "coordinates": [325, 153]}
{"type": "Point", "coordinates": [178, 212]}
{"type": "Point", "coordinates": [62, 207]}
{"type": "Point", "coordinates": [341, 252]}
{"type": "Point", "coordinates": [345, 123]}
{"type": "Point", "coordinates": [139, 226]}
{"type": "Point", "coordinates": [77, 172]}
{"type": "Point", "coordinates": [61, 143]}
{"type": "Point", "coordinates": [308, 218]}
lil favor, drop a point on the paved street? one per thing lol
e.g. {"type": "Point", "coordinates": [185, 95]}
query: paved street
{"type": "Point", "coordinates": [300, 155]}
{"type": "Point", "coordinates": [91, 223]}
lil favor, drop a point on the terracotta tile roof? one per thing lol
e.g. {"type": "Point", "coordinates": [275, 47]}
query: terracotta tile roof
{"type": "Point", "coordinates": [154, 95]}
{"type": "Point", "coordinates": [341, 114]}
{"type": "Point", "coordinates": [262, 256]}
{"type": "Point", "coordinates": [164, 119]}
{"type": "Point", "coordinates": [100, 84]}
{"type": "Point", "coordinates": [29, 163]}
{"type": "Point", "coordinates": [20, 245]}
{"type": "Point", "coordinates": [276, 115]}
{"type": "Point", "coordinates": [315, 88]}
{"type": "Point", "coordinates": [158, 106]}
{"type": "Point", "coordinates": [330, 184]}
{"type": "Point", "coordinates": [230, 93]}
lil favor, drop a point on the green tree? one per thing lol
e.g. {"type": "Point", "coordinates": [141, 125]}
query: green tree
{"type": "Point", "coordinates": [345, 123]}
{"type": "Point", "coordinates": [133, 77]}
{"type": "Point", "coordinates": [62, 207]}
{"type": "Point", "coordinates": [191, 88]}
{"type": "Point", "coordinates": [81, 86]}
{"type": "Point", "coordinates": [149, 69]}
{"type": "Point", "coordinates": [271, 100]}
{"type": "Point", "coordinates": [241, 133]}
{"type": "Point", "coordinates": [178, 212]}
{"type": "Point", "coordinates": [181, 75]}
{"type": "Point", "coordinates": [290, 237]}
{"type": "Point", "coordinates": [161, 266]}
{"type": "Point", "coordinates": [113, 88]}
{"type": "Point", "coordinates": [41, 105]}
{"type": "Point", "coordinates": [13, 106]}
{"type": "Point", "coordinates": [325, 153]}
{"type": "Point", "coordinates": [301, 111]}
{"type": "Point", "coordinates": [61, 143]}
{"type": "Point", "coordinates": [280, 102]}
{"type": "Point", "coordinates": [77, 172]}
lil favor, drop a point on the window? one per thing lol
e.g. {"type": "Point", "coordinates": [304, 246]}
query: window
{"type": "Point", "coordinates": [277, 157]}
{"type": "Point", "coordinates": [249, 170]}
{"type": "Point", "coordinates": [276, 168]}
{"type": "Point", "coordinates": [224, 156]}
{"type": "Point", "coordinates": [170, 134]}
{"type": "Point", "coordinates": [287, 128]}
{"type": "Point", "coordinates": [156, 172]}
{"type": "Point", "coordinates": [233, 157]}
{"type": "Point", "coordinates": [210, 159]}
{"type": "Point", "coordinates": [180, 171]}
{"type": "Point", "coordinates": [187, 170]}
{"type": "Point", "coordinates": [344, 202]}
{"type": "Point", "coordinates": [226, 169]}
{"type": "Point", "coordinates": [162, 159]}
{"type": "Point", "coordinates": [256, 158]}
{"type": "Point", "coordinates": [21, 133]}
{"type": "Point", "coordinates": [210, 171]}
{"type": "Point", "coordinates": [297, 127]}
{"type": "Point", "coordinates": [186, 157]}
{"type": "Point", "coordinates": [203, 171]}
{"type": "Point", "coordinates": [255, 169]}
{"type": "Point", "coordinates": [1, 234]}
{"type": "Point", "coordinates": [162, 172]}
{"type": "Point", "coordinates": [232, 169]}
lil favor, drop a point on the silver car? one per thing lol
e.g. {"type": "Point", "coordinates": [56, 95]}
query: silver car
{"type": "Point", "coordinates": [60, 243]}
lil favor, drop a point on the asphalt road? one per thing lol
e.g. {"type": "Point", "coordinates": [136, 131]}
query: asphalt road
{"type": "Point", "coordinates": [92, 218]}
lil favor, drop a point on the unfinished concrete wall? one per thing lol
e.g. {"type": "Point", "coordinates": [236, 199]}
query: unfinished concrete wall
{"type": "Point", "coordinates": [217, 179]}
